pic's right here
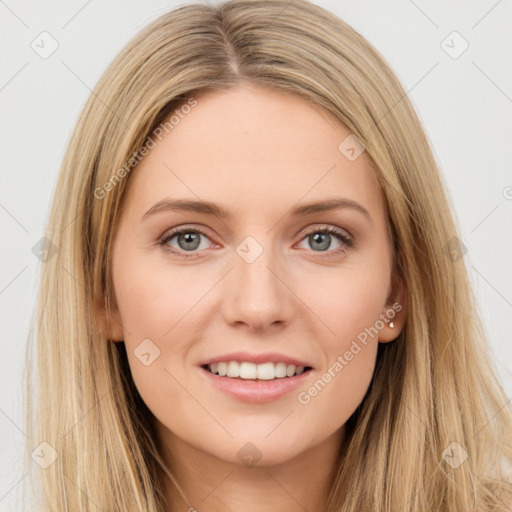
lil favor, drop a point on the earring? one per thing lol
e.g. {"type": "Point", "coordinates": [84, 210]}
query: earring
{"type": "Point", "coordinates": [392, 325]}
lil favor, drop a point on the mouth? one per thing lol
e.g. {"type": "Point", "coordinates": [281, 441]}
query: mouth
{"type": "Point", "coordinates": [255, 383]}
{"type": "Point", "coordinates": [246, 370]}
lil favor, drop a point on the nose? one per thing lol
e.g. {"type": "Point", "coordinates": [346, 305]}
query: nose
{"type": "Point", "coordinates": [257, 294]}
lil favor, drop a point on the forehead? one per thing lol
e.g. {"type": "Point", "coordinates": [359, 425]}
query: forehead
{"type": "Point", "coordinates": [253, 147]}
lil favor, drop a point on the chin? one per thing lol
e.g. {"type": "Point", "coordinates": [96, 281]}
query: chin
{"type": "Point", "coordinates": [259, 449]}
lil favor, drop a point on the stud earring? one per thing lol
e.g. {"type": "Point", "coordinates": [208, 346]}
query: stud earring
{"type": "Point", "coordinates": [392, 325]}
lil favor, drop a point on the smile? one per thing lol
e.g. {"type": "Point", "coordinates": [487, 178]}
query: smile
{"type": "Point", "coordinates": [251, 371]}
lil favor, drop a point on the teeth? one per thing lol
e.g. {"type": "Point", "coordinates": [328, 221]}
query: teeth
{"type": "Point", "coordinates": [246, 370]}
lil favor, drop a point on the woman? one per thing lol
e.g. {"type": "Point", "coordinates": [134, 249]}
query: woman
{"type": "Point", "coordinates": [259, 299]}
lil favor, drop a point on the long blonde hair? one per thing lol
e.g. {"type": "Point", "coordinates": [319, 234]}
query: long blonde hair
{"type": "Point", "coordinates": [433, 386]}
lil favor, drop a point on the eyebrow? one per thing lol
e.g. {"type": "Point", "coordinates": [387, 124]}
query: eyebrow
{"type": "Point", "coordinates": [209, 208]}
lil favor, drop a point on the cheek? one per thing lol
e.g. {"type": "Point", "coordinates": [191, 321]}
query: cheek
{"type": "Point", "coordinates": [346, 302]}
{"type": "Point", "coordinates": [337, 390]}
{"type": "Point", "coordinates": [154, 298]}
{"type": "Point", "coordinates": [159, 308]}
{"type": "Point", "coordinates": [349, 303]}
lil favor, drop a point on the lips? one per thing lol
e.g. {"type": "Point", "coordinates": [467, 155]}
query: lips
{"type": "Point", "coordinates": [256, 391]}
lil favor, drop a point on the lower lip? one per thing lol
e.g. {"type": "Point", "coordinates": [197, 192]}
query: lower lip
{"type": "Point", "coordinates": [257, 391]}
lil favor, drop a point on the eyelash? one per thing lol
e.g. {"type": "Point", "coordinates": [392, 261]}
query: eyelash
{"type": "Point", "coordinates": [341, 236]}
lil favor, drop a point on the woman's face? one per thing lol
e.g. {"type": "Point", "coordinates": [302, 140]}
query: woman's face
{"type": "Point", "coordinates": [266, 279]}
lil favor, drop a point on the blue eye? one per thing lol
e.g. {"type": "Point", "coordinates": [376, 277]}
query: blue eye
{"type": "Point", "coordinates": [189, 240]}
{"type": "Point", "coordinates": [322, 238]}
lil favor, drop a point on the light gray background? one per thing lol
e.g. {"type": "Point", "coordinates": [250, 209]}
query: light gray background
{"type": "Point", "coordinates": [464, 103]}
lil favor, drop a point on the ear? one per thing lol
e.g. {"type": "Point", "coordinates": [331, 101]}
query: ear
{"type": "Point", "coordinates": [395, 311]}
{"type": "Point", "coordinates": [109, 325]}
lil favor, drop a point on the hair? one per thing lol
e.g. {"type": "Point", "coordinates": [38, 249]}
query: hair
{"type": "Point", "coordinates": [434, 385]}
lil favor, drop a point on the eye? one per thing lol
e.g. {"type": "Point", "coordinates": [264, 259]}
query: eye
{"type": "Point", "coordinates": [188, 239]}
{"type": "Point", "coordinates": [320, 239]}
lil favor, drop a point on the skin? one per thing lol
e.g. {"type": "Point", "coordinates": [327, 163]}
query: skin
{"type": "Point", "coordinates": [257, 152]}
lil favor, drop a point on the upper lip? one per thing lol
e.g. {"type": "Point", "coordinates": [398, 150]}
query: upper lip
{"type": "Point", "coordinates": [267, 357]}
